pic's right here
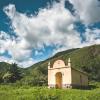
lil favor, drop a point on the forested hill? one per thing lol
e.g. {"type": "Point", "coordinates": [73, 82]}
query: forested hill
{"type": "Point", "coordinates": [86, 59]}
{"type": "Point", "coordinates": [4, 66]}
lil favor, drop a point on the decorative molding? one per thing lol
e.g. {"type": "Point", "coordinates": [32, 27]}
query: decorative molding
{"type": "Point", "coordinates": [58, 68]}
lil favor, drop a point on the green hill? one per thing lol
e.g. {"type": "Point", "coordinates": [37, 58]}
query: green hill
{"type": "Point", "coordinates": [86, 59]}
{"type": "Point", "coordinates": [4, 66]}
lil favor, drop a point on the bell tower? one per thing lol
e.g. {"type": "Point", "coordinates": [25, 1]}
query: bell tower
{"type": "Point", "coordinates": [48, 65]}
{"type": "Point", "coordinates": [69, 62]}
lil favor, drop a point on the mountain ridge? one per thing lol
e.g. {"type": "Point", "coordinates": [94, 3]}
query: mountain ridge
{"type": "Point", "coordinates": [86, 59]}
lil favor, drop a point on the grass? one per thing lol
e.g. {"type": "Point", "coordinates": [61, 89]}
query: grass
{"type": "Point", "coordinates": [9, 92]}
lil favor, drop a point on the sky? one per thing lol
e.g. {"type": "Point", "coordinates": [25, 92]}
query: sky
{"type": "Point", "coordinates": [34, 30]}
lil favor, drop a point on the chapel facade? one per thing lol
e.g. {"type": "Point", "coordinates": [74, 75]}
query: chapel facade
{"type": "Point", "coordinates": [61, 75]}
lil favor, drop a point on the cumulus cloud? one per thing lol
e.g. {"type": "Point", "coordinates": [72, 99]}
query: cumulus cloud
{"type": "Point", "coordinates": [5, 59]}
{"type": "Point", "coordinates": [50, 26]}
{"type": "Point", "coordinates": [16, 49]}
{"type": "Point", "coordinates": [27, 63]}
{"type": "Point", "coordinates": [88, 10]}
{"type": "Point", "coordinates": [23, 64]}
{"type": "Point", "coordinates": [92, 36]}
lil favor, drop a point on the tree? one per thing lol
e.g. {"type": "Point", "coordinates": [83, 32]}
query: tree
{"type": "Point", "coordinates": [7, 77]}
{"type": "Point", "coordinates": [14, 73]}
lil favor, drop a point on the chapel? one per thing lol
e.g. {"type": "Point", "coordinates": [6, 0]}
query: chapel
{"type": "Point", "coordinates": [62, 75]}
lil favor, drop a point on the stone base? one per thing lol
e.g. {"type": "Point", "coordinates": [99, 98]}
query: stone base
{"type": "Point", "coordinates": [68, 86]}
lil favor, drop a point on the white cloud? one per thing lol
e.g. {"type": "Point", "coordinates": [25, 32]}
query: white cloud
{"type": "Point", "coordinates": [92, 36]}
{"type": "Point", "coordinates": [27, 63]}
{"type": "Point", "coordinates": [87, 10]}
{"type": "Point", "coordinates": [51, 26]}
{"type": "Point", "coordinates": [16, 49]}
{"type": "Point", "coordinates": [5, 59]}
{"type": "Point", "coordinates": [23, 64]}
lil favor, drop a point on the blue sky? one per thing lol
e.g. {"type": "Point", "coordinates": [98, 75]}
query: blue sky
{"type": "Point", "coordinates": [34, 30]}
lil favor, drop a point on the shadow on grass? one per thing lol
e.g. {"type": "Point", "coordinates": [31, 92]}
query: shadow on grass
{"type": "Point", "coordinates": [89, 87]}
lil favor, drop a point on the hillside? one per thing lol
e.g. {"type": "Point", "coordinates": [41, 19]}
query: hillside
{"type": "Point", "coordinates": [86, 59]}
{"type": "Point", "coordinates": [4, 66]}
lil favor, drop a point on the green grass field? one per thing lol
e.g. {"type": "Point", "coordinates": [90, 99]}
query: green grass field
{"type": "Point", "coordinates": [10, 92]}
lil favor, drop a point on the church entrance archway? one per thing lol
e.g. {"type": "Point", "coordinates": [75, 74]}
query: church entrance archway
{"type": "Point", "coordinates": [58, 80]}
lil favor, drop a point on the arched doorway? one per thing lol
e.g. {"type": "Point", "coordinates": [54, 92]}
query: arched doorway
{"type": "Point", "coordinates": [58, 80]}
